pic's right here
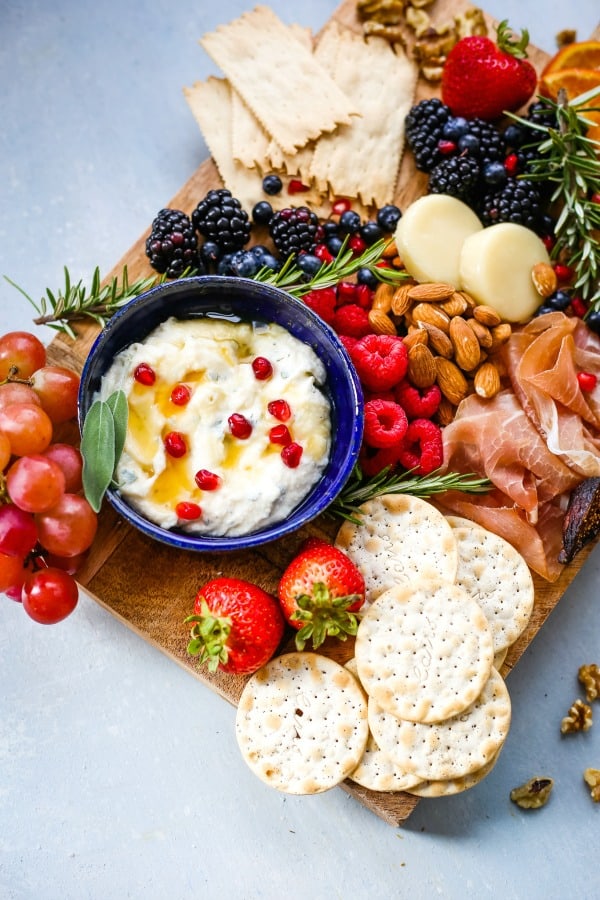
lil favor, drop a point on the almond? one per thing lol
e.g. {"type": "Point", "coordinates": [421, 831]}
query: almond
{"type": "Point", "coordinates": [466, 346]}
{"type": "Point", "coordinates": [422, 371]}
{"type": "Point", "coordinates": [432, 314]}
{"type": "Point", "coordinates": [415, 336]}
{"type": "Point", "coordinates": [500, 335]}
{"type": "Point", "coordinates": [381, 323]}
{"type": "Point", "coordinates": [390, 250]}
{"type": "Point", "coordinates": [438, 340]}
{"type": "Point", "coordinates": [401, 302]}
{"type": "Point", "coordinates": [445, 412]}
{"type": "Point", "coordinates": [481, 332]}
{"type": "Point", "coordinates": [451, 381]}
{"type": "Point", "coordinates": [382, 298]}
{"type": "Point", "coordinates": [431, 291]}
{"type": "Point", "coordinates": [455, 306]}
{"type": "Point", "coordinates": [544, 279]}
{"type": "Point", "coordinates": [487, 380]}
{"type": "Point", "coordinates": [487, 315]}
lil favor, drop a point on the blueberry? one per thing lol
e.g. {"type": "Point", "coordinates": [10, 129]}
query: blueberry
{"type": "Point", "coordinates": [334, 245]}
{"type": "Point", "coordinates": [365, 276]}
{"type": "Point", "coordinates": [349, 222]}
{"type": "Point", "coordinates": [244, 264]}
{"type": "Point", "coordinates": [592, 320]}
{"type": "Point", "coordinates": [268, 261]}
{"type": "Point", "coordinates": [262, 212]}
{"type": "Point", "coordinates": [272, 184]}
{"type": "Point", "coordinates": [308, 263]}
{"type": "Point", "coordinates": [494, 173]}
{"type": "Point", "coordinates": [455, 128]}
{"type": "Point", "coordinates": [514, 135]}
{"type": "Point", "coordinates": [543, 309]}
{"type": "Point", "coordinates": [210, 253]}
{"type": "Point", "coordinates": [546, 225]}
{"type": "Point", "coordinates": [224, 265]}
{"type": "Point", "coordinates": [388, 216]}
{"type": "Point", "coordinates": [370, 232]}
{"type": "Point", "coordinates": [258, 251]}
{"type": "Point", "coordinates": [329, 228]}
{"type": "Point", "coordinates": [468, 142]}
{"type": "Point", "coordinates": [558, 300]}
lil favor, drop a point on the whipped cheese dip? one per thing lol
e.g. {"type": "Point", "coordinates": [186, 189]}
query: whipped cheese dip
{"type": "Point", "coordinates": [212, 358]}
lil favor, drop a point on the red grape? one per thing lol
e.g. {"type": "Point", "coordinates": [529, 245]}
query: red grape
{"type": "Point", "coordinates": [21, 350]}
{"type": "Point", "coordinates": [5, 451]}
{"type": "Point", "coordinates": [18, 534]}
{"type": "Point", "coordinates": [14, 392]}
{"type": "Point", "coordinates": [11, 568]}
{"type": "Point", "coordinates": [35, 483]}
{"type": "Point", "coordinates": [57, 389]}
{"type": "Point", "coordinates": [27, 427]}
{"type": "Point", "coordinates": [49, 595]}
{"type": "Point", "coordinates": [70, 461]}
{"type": "Point", "coordinates": [69, 527]}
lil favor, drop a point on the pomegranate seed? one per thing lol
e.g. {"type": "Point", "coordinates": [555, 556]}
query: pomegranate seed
{"type": "Point", "coordinates": [363, 296]}
{"type": "Point", "coordinates": [239, 426]}
{"type": "Point", "coordinates": [446, 147]}
{"type": "Point", "coordinates": [548, 241]}
{"type": "Point", "coordinates": [262, 368]}
{"type": "Point", "coordinates": [180, 395]}
{"type": "Point", "coordinates": [578, 307]}
{"type": "Point", "coordinates": [175, 444]}
{"type": "Point", "coordinates": [511, 164]}
{"type": "Point", "coordinates": [207, 480]}
{"type": "Point", "coordinates": [280, 409]}
{"type": "Point", "coordinates": [145, 374]}
{"type": "Point", "coordinates": [341, 205]}
{"type": "Point", "coordinates": [291, 455]}
{"type": "Point", "coordinates": [383, 264]}
{"type": "Point", "coordinates": [563, 273]}
{"type": "Point", "coordinates": [189, 511]}
{"type": "Point", "coordinates": [346, 292]}
{"type": "Point", "coordinates": [357, 245]}
{"type": "Point", "coordinates": [322, 253]}
{"type": "Point", "coordinates": [587, 381]}
{"type": "Point", "coordinates": [280, 434]}
{"type": "Point", "coordinates": [595, 198]}
{"type": "Point", "coordinates": [297, 187]}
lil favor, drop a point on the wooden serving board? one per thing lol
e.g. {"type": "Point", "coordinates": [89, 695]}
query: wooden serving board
{"type": "Point", "coordinates": [151, 587]}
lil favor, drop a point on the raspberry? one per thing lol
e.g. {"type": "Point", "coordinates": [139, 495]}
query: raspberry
{"type": "Point", "coordinates": [422, 449]}
{"type": "Point", "coordinates": [322, 303]}
{"type": "Point", "coordinates": [348, 342]}
{"type": "Point", "coordinates": [381, 361]}
{"type": "Point", "coordinates": [346, 292]}
{"type": "Point", "coordinates": [418, 404]}
{"type": "Point", "coordinates": [385, 423]}
{"type": "Point", "coordinates": [364, 296]}
{"type": "Point", "coordinates": [353, 320]}
{"type": "Point", "coordinates": [380, 395]}
{"type": "Point", "coordinates": [372, 462]}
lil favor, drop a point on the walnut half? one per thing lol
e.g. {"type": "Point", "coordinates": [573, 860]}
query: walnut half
{"type": "Point", "coordinates": [589, 676]}
{"type": "Point", "coordinates": [579, 718]}
{"type": "Point", "coordinates": [533, 794]}
{"type": "Point", "coordinates": [592, 779]}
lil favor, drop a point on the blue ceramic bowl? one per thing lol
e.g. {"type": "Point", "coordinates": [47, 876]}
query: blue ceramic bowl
{"type": "Point", "coordinates": [242, 298]}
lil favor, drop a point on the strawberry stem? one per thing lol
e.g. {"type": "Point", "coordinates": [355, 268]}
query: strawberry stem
{"type": "Point", "coordinates": [324, 615]}
{"type": "Point", "coordinates": [509, 43]}
{"type": "Point", "coordinates": [209, 636]}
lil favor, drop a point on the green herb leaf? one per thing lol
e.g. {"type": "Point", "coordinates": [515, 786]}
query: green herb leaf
{"type": "Point", "coordinates": [117, 403]}
{"type": "Point", "coordinates": [98, 452]}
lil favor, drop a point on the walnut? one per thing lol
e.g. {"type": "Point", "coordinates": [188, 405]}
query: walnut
{"type": "Point", "coordinates": [471, 22]}
{"type": "Point", "coordinates": [418, 4]}
{"type": "Point", "coordinates": [533, 794]}
{"type": "Point", "coordinates": [391, 33]}
{"type": "Point", "coordinates": [566, 36]}
{"type": "Point", "coordinates": [419, 20]}
{"type": "Point", "coordinates": [589, 676]}
{"type": "Point", "coordinates": [579, 718]}
{"type": "Point", "coordinates": [386, 12]}
{"type": "Point", "coordinates": [592, 779]}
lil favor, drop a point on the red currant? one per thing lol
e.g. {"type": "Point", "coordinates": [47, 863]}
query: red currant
{"type": "Point", "coordinates": [578, 307]}
{"type": "Point", "coordinates": [188, 511]}
{"type": "Point", "coordinates": [357, 245]}
{"type": "Point", "coordinates": [175, 444]}
{"type": "Point", "coordinates": [262, 368]}
{"type": "Point", "coordinates": [511, 164]}
{"type": "Point", "coordinates": [587, 381]}
{"type": "Point", "coordinates": [563, 273]}
{"type": "Point", "coordinates": [206, 480]}
{"type": "Point", "coordinates": [239, 426]}
{"type": "Point", "coordinates": [180, 395]}
{"type": "Point", "coordinates": [291, 455]}
{"type": "Point", "coordinates": [446, 147]}
{"type": "Point", "coordinates": [145, 374]}
{"type": "Point", "coordinates": [341, 205]}
{"type": "Point", "coordinates": [322, 253]}
{"type": "Point", "coordinates": [280, 409]}
{"type": "Point", "coordinates": [280, 434]}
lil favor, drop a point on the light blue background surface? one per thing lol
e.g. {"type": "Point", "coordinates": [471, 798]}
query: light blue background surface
{"type": "Point", "coordinates": [120, 776]}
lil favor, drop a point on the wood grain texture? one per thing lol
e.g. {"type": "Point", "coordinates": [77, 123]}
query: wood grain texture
{"type": "Point", "coordinates": [151, 587]}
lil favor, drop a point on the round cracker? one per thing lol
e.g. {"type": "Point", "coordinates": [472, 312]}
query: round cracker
{"type": "Point", "coordinates": [400, 539]}
{"type": "Point", "coordinates": [424, 651]}
{"type": "Point", "coordinates": [301, 723]}
{"type": "Point", "coordinates": [450, 749]}
{"type": "Point", "coordinates": [498, 578]}
{"type": "Point", "coordinates": [451, 786]}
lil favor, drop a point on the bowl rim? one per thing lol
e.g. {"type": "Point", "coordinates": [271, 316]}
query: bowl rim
{"type": "Point", "coordinates": [300, 516]}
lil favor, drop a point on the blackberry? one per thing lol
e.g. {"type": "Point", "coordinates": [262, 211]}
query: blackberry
{"type": "Point", "coordinates": [219, 217]}
{"type": "Point", "coordinates": [172, 245]}
{"type": "Point", "coordinates": [424, 127]}
{"type": "Point", "coordinates": [458, 176]}
{"type": "Point", "coordinates": [483, 141]}
{"type": "Point", "coordinates": [293, 229]}
{"type": "Point", "coordinates": [518, 201]}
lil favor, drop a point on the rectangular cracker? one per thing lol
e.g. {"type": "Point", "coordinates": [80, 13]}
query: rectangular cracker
{"type": "Point", "coordinates": [362, 159]}
{"type": "Point", "coordinates": [292, 96]}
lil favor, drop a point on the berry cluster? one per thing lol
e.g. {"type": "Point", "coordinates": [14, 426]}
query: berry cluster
{"type": "Point", "coordinates": [46, 524]}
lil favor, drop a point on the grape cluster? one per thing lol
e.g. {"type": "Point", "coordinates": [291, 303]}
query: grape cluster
{"type": "Point", "coordinates": [46, 524]}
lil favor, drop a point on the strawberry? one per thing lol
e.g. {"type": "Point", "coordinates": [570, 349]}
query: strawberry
{"type": "Point", "coordinates": [319, 592]}
{"type": "Point", "coordinates": [482, 79]}
{"type": "Point", "coordinates": [236, 627]}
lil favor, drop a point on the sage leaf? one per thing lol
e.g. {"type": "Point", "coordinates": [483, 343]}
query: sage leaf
{"type": "Point", "coordinates": [98, 452]}
{"type": "Point", "coordinates": [118, 406]}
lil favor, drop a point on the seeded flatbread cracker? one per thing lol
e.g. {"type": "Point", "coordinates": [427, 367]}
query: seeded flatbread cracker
{"type": "Point", "coordinates": [498, 578]}
{"type": "Point", "coordinates": [301, 723]}
{"type": "Point", "coordinates": [424, 652]}
{"type": "Point", "coordinates": [376, 771]}
{"type": "Point", "coordinates": [451, 786]}
{"type": "Point", "coordinates": [290, 94]}
{"type": "Point", "coordinates": [362, 159]}
{"type": "Point", "coordinates": [450, 749]}
{"type": "Point", "coordinates": [401, 539]}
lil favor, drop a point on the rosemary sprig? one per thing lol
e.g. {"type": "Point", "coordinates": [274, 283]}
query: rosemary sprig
{"type": "Point", "coordinates": [358, 489]}
{"type": "Point", "coordinates": [570, 161]}
{"type": "Point", "coordinates": [75, 302]}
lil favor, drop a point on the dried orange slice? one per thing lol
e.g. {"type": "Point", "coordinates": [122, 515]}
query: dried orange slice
{"type": "Point", "coordinates": [575, 82]}
{"type": "Point", "coordinates": [578, 55]}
